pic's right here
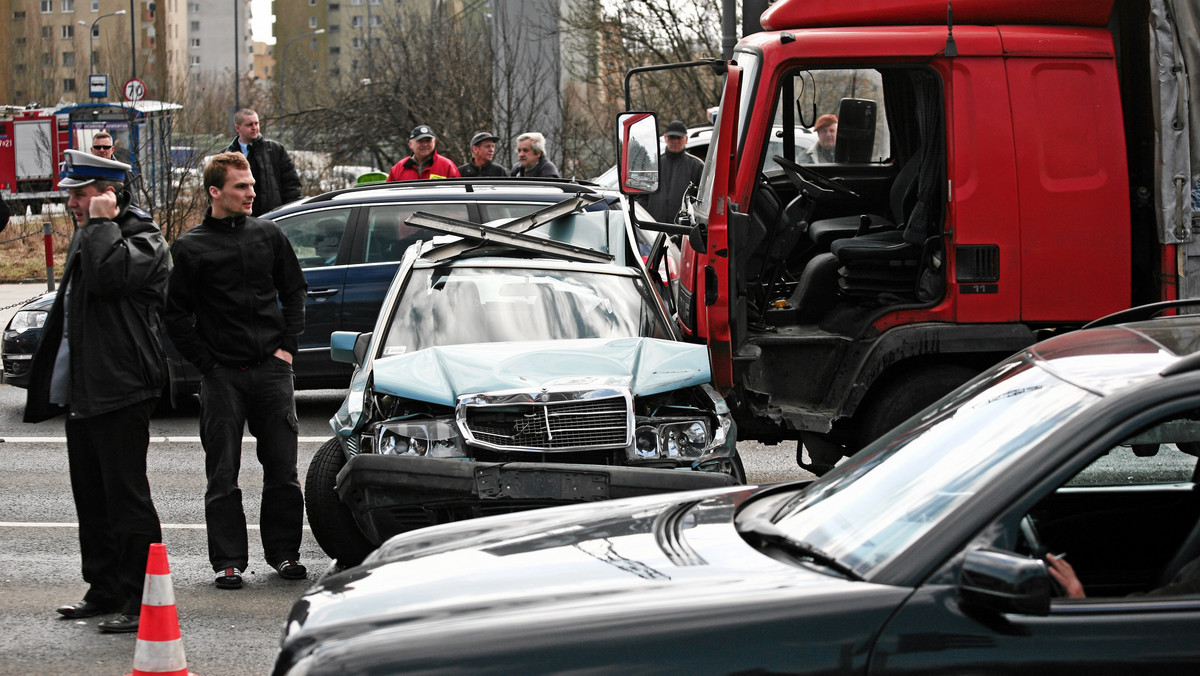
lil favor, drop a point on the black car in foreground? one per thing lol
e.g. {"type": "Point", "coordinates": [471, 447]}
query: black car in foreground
{"type": "Point", "coordinates": [921, 554]}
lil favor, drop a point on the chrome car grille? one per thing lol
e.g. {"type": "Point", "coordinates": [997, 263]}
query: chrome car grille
{"type": "Point", "coordinates": [564, 423]}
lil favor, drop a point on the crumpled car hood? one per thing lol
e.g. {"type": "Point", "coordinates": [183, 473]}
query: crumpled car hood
{"type": "Point", "coordinates": [440, 374]}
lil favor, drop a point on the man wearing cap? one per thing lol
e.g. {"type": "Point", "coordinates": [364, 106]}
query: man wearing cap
{"type": "Point", "coordinates": [531, 157]}
{"type": "Point", "coordinates": [276, 182]}
{"type": "Point", "coordinates": [677, 170]}
{"type": "Point", "coordinates": [483, 149]}
{"type": "Point", "coordinates": [425, 162]}
{"type": "Point", "coordinates": [822, 150]}
{"type": "Point", "coordinates": [100, 360]}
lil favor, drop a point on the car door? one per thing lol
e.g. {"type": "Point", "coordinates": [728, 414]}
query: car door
{"type": "Point", "coordinates": [382, 239]}
{"type": "Point", "coordinates": [1123, 625]}
{"type": "Point", "coordinates": [321, 241]}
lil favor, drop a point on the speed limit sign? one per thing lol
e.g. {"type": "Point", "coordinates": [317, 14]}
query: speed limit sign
{"type": "Point", "coordinates": [135, 90]}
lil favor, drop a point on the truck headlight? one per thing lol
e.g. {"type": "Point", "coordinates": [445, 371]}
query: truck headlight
{"type": "Point", "coordinates": [677, 439]}
{"type": "Point", "coordinates": [425, 438]}
{"type": "Point", "coordinates": [28, 319]}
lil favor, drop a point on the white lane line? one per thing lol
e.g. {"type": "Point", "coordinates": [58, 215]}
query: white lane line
{"type": "Point", "coordinates": [165, 526]}
{"type": "Point", "coordinates": [153, 440]}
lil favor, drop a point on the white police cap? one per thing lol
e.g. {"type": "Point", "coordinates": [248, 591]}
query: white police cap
{"type": "Point", "coordinates": [80, 169]}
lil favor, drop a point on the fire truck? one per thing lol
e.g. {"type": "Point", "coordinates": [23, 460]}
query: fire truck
{"type": "Point", "coordinates": [31, 145]}
{"type": "Point", "coordinates": [1003, 170]}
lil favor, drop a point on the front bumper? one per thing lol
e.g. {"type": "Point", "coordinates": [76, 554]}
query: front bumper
{"type": "Point", "coordinates": [391, 494]}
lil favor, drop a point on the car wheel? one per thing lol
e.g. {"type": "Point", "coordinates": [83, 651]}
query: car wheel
{"type": "Point", "coordinates": [906, 395]}
{"type": "Point", "coordinates": [331, 521]}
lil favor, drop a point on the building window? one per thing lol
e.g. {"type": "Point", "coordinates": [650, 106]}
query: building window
{"type": "Point", "coordinates": [19, 41]}
{"type": "Point", "coordinates": [47, 6]}
{"type": "Point", "coordinates": [68, 6]}
{"type": "Point", "coordinates": [375, 43]}
{"type": "Point", "coordinates": [194, 7]}
{"type": "Point", "coordinates": [68, 32]}
{"type": "Point", "coordinates": [95, 29]}
{"type": "Point", "coordinates": [69, 84]}
{"type": "Point", "coordinates": [47, 59]}
{"type": "Point", "coordinates": [195, 42]}
{"type": "Point", "coordinates": [314, 67]}
{"type": "Point", "coordinates": [312, 22]}
{"type": "Point", "coordinates": [356, 43]}
{"type": "Point", "coordinates": [334, 28]}
{"type": "Point", "coordinates": [335, 6]}
{"type": "Point", "coordinates": [312, 44]}
{"type": "Point", "coordinates": [335, 50]}
{"type": "Point", "coordinates": [356, 22]}
{"type": "Point", "coordinates": [17, 16]}
{"type": "Point", "coordinates": [375, 2]}
{"type": "Point", "coordinates": [47, 32]}
{"type": "Point", "coordinates": [19, 68]}
{"type": "Point", "coordinates": [194, 60]}
{"type": "Point", "coordinates": [95, 5]}
{"type": "Point", "coordinates": [312, 3]}
{"type": "Point", "coordinates": [195, 26]}
{"type": "Point", "coordinates": [68, 59]}
{"type": "Point", "coordinates": [376, 21]}
{"type": "Point", "coordinates": [356, 3]}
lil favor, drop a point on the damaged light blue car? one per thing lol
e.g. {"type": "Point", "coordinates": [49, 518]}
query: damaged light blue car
{"type": "Point", "coordinates": [517, 367]}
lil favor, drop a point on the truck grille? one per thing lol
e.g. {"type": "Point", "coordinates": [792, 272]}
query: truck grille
{"type": "Point", "coordinates": [556, 425]}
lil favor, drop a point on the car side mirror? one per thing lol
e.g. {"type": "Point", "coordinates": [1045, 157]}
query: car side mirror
{"type": "Point", "coordinates": [855, 131]}
{"type": "Point", "coordinates": [349, 347]}
{"type": "Point", "coordinates": [637, 165]}
{"type": "Point", "coordinates": [1005, 583]}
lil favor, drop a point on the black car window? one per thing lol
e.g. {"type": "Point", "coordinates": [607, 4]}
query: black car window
{"type": "Point", "coordinates": [496, 210]}
{"type": "Point", "coordinates": [316, 236]}
{"type": "Point", "coordinates": [388, 235]}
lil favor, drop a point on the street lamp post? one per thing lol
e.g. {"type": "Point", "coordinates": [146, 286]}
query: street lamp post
{"type": "Point", "coordinates": [92, 40]}
{"type": "Point", "coordinates": [283, 59]}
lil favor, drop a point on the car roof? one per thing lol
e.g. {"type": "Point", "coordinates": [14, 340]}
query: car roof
{"type": "Point", "coordinates": [1111, 358]}
{"type": "Point", "coordinates": [477, 190]}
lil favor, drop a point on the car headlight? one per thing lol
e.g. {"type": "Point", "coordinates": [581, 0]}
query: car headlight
{"type": "Point", "coordinates": [425, 438]}
{"type": "Point", "coordinates": [28, 319]}
{"type": "Point", "coordinates": [677, 439]}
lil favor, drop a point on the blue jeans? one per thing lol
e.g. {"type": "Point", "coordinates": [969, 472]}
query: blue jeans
{"type": "Point", "coordinates": [261, 396]}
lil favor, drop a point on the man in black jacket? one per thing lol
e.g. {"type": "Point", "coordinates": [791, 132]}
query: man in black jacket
{"type": "Point", "coordinates": [235, 309]}
{"type": "Point", "coordinates": [483, 149]}
{"type": "Point", "coordinates": [101, 361]}
{"type": "Point", "coordinates": [276, 182]}
{"type": "Point", "coordinates": [676, 172]}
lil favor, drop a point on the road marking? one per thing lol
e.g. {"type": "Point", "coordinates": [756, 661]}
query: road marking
{"type": "Point", "coordinates": [153, 440]}
{"type": "Point", "coordinates": [165, 526]}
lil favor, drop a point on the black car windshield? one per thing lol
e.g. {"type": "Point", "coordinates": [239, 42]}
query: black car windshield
{"type": "Point", "coordinates": [877, 504]}
{"type": "Point", "coordinates": [454, 305]}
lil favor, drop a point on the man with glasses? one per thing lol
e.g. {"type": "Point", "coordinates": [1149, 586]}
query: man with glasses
{"type": "Point", "coordinates": [103, 145]}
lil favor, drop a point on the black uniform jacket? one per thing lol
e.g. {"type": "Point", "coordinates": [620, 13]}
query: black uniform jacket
{"type": "Point", "coordinates": [116, 272]}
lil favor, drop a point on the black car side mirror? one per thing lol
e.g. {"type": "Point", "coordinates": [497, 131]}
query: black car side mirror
{"type": "Point", "coordinates": [1005, 582]}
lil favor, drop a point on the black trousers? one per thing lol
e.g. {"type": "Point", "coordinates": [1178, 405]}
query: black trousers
{"type": "Point", "coordinates": [117, 520]}
{"type": "Point", "coordinates": [262, 397]}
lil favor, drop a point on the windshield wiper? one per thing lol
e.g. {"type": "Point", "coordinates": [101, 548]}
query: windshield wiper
{"type": "Point", "coordinates": [770, 534]}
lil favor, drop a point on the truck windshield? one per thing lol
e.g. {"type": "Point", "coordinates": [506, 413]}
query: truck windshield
{"type": "Point", "coordinates": [750, 63]}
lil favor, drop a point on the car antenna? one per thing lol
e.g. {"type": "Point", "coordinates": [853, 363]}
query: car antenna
{"type": "Point", "coordinates": [951, 47]}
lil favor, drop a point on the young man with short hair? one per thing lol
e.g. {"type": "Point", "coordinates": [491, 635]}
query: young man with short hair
{"type": "Point", "coordinates": [235, 309]}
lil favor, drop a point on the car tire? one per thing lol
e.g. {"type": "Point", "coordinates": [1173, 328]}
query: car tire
{"type": "Point", "coordinates": [905, 395]}
{"type": "Point", "coordinates": [331, 521]}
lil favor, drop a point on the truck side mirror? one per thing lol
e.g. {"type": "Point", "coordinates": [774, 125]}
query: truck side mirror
{"type": "Point", "coordinates": [637, 165]}
{"type": "Point", "coordinates": [1004, 582]}
{"type": "Point", "coordinates": [855, 131]}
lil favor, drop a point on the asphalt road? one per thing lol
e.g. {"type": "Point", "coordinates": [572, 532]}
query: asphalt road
{"type": "Point", "coordinates": [224, 632]}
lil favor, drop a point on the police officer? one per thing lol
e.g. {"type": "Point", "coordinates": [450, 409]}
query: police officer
{"type": "Point", "coordinates": [101, 361]}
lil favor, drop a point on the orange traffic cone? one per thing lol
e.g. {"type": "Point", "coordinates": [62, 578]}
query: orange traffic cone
{"type": "Point", "coordinates": [159, 648]}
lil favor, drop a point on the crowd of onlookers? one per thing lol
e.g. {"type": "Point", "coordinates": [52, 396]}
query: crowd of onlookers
{"type": "Point", "coordinates": [425, 161]}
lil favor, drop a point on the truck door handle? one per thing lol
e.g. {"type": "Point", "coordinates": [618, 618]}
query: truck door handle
{"type": "Point", "coordinates": [321, 293]}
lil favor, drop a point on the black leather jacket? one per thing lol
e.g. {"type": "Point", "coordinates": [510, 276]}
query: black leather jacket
{"type": "Point", "coordinates": [276, 182]}
{"type": "Point", "coordinates": [237, 293]}
{"type": "Point", "coordinates": [117, 274]}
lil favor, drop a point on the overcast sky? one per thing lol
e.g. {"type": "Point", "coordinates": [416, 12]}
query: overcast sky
{"type": "Point", "coordinates": [261, 12]}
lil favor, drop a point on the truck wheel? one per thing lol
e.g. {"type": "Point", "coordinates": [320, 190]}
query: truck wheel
{"type": "Point", "coordinates": [331, 521]}
{"type": "Point", "coordinates": [906, 395]}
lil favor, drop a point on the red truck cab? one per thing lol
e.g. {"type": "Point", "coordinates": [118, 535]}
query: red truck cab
{"type": "Point", "coordinates": [980, 195]}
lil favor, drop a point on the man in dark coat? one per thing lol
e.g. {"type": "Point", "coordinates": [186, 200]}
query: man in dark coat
{"type": "Point", "coordinates": [101, 361]}
{"type": "Point", "coordinates": [483, 149]}
{"type": "Point", "coordinates": [276, 182]}
{"type": "Point", "coordinates": [531, 158]}
{"type": "Point", "coordinates": [235, 309]}
{"type": "Point", "coordinates": [676, 172]}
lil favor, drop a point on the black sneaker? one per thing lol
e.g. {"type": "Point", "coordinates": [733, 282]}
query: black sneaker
{"type": "Point", "coordinates": [291, 570]}
{"type": "Point", "coordinates": [230, 578]}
